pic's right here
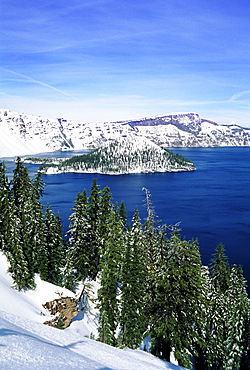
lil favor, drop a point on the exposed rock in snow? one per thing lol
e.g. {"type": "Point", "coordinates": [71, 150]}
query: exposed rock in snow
{"type": "Point", "coordinates": [23, 134]}
{"type": "Point", "coordinates": [64, 309]}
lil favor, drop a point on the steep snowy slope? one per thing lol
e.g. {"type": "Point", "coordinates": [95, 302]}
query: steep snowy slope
{"type": "Point", "coordinates": [25, 343]}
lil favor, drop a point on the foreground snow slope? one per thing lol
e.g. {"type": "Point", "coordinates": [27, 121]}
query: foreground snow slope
{"type": "Point", "coordinates": [25, 343]}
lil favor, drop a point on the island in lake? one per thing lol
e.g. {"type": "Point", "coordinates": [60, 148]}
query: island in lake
{"type": "Point", "coordinates": [123, 156]}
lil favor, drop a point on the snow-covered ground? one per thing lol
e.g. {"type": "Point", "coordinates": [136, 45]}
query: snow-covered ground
{"type": "Point", "coordinates": [26, 343]}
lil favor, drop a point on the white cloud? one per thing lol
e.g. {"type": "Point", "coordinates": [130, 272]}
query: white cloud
{"type": "Point", "coordinates": [235, 97]}
{"type": "Point", "coordinates": [26, 78]}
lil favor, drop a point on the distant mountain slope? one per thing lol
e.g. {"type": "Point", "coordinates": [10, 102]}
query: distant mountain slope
{"type": "Point", "coordinates": [189, 130]}
{"type": "Point", "coordinates": [23, 134]}
{"type": "Point", "coordinates": [125, 155]}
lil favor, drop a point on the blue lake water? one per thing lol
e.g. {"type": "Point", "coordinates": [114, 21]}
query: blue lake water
{"type": "Point", "coordinates": [212, 203]}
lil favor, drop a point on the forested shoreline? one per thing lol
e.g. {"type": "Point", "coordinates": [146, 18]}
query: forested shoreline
{"type": "Point", "coordinates": [152, 281]}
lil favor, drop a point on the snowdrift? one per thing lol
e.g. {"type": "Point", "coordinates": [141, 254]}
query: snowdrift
{"type": "Point", "coordinates": [26, 343]}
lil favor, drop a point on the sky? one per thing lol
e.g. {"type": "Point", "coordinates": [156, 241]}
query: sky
{"type": "Point", "coordinates": [109, 60]}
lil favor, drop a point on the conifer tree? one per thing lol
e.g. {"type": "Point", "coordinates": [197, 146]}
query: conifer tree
{"type": "Point", "coordinates": [51, 256]}
{"type": "Point", "coordinates": [220, 269]}
{"type": "Point", "coordinates": [133, 278]}
{"type": "Point", "coordinates": [19, 269]}
{"type": "Point", "coordinates": [150, 252]}
{"type": "Point", "coordinates": [78, 256]}
{"type": "Point", "coordinates": [178, 299]}
{"type": "Point", "coordinates": [123, 214]}
{"type": "Point", "coordinates": [227, 315]}
{"type": "Point", "coordinates": [94, 216]}
{"type": "Point", "coordinates": [110, 264]}
{"type": "Point", "coordinates": [28, 210]}
{"type": "Point", "coordinates": [5, 208]}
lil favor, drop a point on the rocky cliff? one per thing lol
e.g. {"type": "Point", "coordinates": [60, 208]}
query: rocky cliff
{"type": "Point", "coordinates": [23, 134]}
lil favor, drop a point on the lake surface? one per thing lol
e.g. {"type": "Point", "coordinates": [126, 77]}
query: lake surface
{"type": "Point", "coordinates": [212, 203]}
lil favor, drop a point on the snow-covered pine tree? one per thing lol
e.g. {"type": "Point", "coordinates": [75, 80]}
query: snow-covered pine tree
{"type": "Point", "coordinates": [133, 278]}
{"type": "Point", "coordinates": [245, 357]}
{"type": "Point", "coordinates": [94, 216]}
{"type": "Point", "coordinates": [220, 269]}
{"type": "Point", "coordinates": [123, 214]}
{"type": "Point", "coordinates": [11, 242]}
{"type": "Point", "coordinates": [153, 250]}
{"type": "Point", "coordinates": [51, 255]}
{"type": "Point", "coordinates": [111, 247]}
{"type": "Point", "coordinates": [78, 255]}
{"type": "Point", "coordinates": [5, 208]}
{"type": "Point", "coordinates": [37, 224]}
{"type": "Point", "coordinates": [227, 315]}
{"type": "Point", "coordinates": [28, 210]}
{"type": "Point", "coordinates": [19, 269]}
{"type": "Point", "coordinates": [177, 299]}
{"type": "Point", "coordinates": [238, 319]}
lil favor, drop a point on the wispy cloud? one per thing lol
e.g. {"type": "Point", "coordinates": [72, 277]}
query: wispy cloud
{"type": "Point", "coordinates": [238, 95]}
{"type": "Point", "coordinates": [105, 59]}
{"type": "Point", "coordinates": [32, 80]}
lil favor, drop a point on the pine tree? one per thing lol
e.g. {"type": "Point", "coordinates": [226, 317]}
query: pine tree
{"type": "Point", "coordinates": [110, 265]}
{"type": "Point", "coordinates": [177, 299]}
{"type": "Point", "coordinates": [123, 215]}
{"type": "Point", "coordinates": [220, 269]}
{"type": "Point", "coordinates": [19, 269]}
{"type": "Point", "coordinates": [227, 315]}
{"type": "Point", "coordinates": [237, 322]}
{"type": "Point", "coordinates": [94, 216]}
{"type": "Point", "coordinates": [133, 278]}
{"type": "Point", "coordinates": [51, 256]}
{"type": "Point", "coordinates": [28, 210]}
{"type": "Point", "coordinates": [150, 252]}
{"type": "Point", "coordinates": [78, 256]}
{"type": "Point", "coordinates": [5, 208]}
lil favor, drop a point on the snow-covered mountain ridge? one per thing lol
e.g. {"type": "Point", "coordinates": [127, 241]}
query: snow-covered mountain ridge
{"type": "Point", "coordinates": [125, 155]}
{"type": "Point", "coordinates": [23, 134]}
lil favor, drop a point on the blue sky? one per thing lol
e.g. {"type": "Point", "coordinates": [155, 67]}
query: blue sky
{"type": "Point", "coordinates": [107, 60]}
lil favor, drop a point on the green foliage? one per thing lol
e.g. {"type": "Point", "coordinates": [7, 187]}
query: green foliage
{"type": "Point", "coordinates": [30, 241]}
{"type": "Point", "coordinates": [60, 322]}
{"type": "Point", "coordinates": [123, 214]}
{"type": "Point", "coordinates": [110, 265]}
{"type": "Point", "coordinates": [89, 226]}
{"type": "Point", "coordinates": [18, 266]}
{"type": "Point", "coordinates": [94, 213]}
{"type": "Point", "coordinates": [227, 313]}
{"type": "Point", "coordinates": [5, 209]}
{"type": "Point", "coordinates": [133, 278]}
{"type": "Point", "coordinates": [28, 210]}
{"type": "Point", "coordinates": [174, 290]}
{"type": "Point", "coordinates": [51, 255]}
{"type": "Point", "coordinates": [177, 298]}
{"type": "Point", "coordinates": [220, 269]}
{"type": "Point", "coordinates": [78, 256]}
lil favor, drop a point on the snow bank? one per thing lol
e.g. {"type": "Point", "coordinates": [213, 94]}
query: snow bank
{"type": "Point", "coordinates": [25, 343]}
